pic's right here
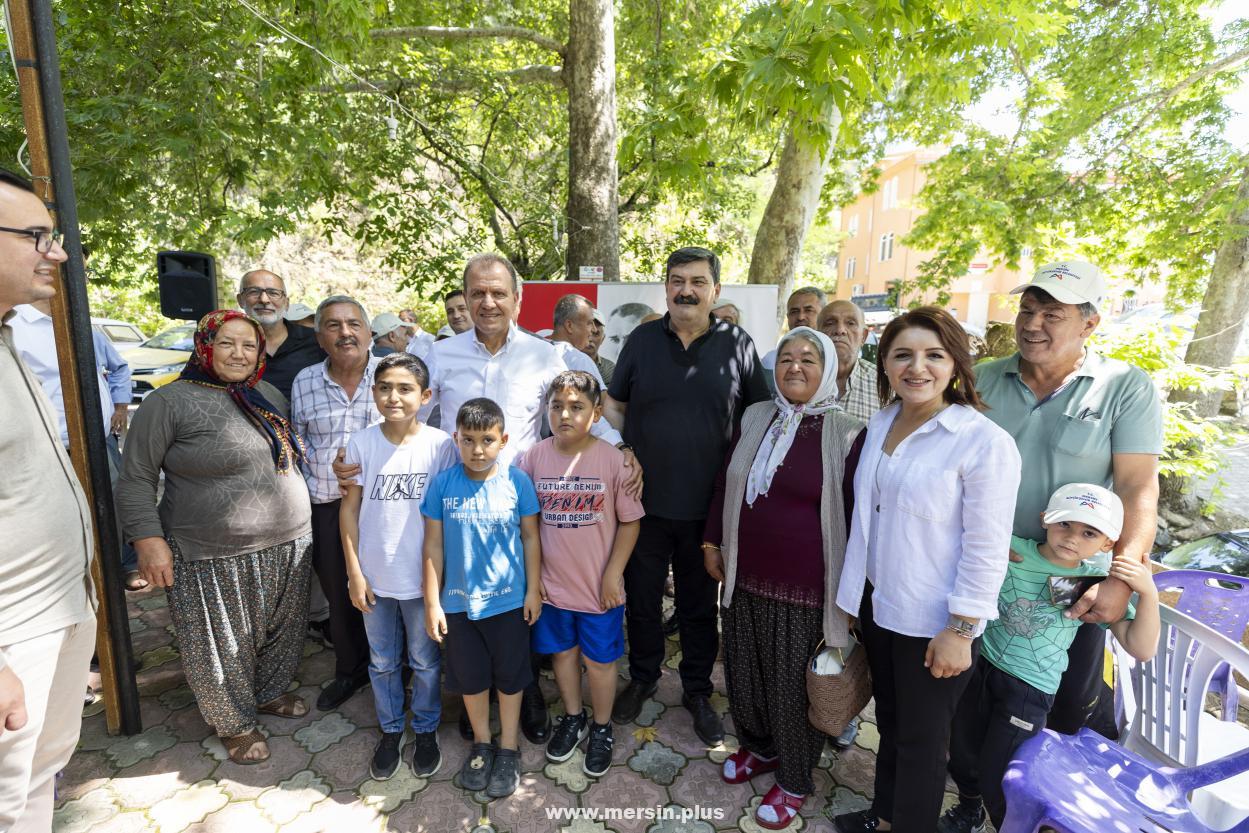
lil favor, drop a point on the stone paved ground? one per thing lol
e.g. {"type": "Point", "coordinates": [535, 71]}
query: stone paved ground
{"type": "Point", "coordinates": [175, 776]}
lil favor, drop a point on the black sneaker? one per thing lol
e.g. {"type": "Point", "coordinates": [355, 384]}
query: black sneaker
{"type": "Point", "coordinates": [963, 817]}
{"type": "Point", "coordinates": [426, 756]}
{"type": "Point", "coordinates": [629, 702]}
{"type": "Point", "coordinates": [505, 774]}
{"type": "Point", "coordinates": [386, 756]}
{"type": "Point", "coordinates": [339, 691]}
{"type": "Point", "coordinates": [860, 821]}
{"type": "Point", "coordinates": [475, 773]}
{"type": "Point", "coordinates": [598, 751]}
{"type": "Point", "coordinates": [568, 734]}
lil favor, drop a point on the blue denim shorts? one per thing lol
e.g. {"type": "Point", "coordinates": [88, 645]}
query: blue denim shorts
{"type": "Point", "coordinates": [600, 635]}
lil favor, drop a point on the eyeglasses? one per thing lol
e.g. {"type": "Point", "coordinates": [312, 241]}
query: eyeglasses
{"type": "Point", "coordinates": [254, 292]}
{"type": "Point", "coordinates": [43, 239]}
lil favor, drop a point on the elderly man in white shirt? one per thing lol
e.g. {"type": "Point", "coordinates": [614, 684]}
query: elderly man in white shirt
{"type": "Point", "coordinates": [497, 360]}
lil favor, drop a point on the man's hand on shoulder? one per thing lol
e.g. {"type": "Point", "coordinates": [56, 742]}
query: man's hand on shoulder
{"type": "Point", "coordinates": [344, 472]}
{"type": "Point", "coordinates": [633, 484]}
{"type": "Point", "coordinates": [12, 701]}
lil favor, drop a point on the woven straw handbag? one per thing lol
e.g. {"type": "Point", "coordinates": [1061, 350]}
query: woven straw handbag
{"type": "Point", "coordinates": [836, 699]}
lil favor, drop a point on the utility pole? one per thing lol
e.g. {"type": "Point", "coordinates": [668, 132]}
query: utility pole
{"type": "Point", "coordinates": [43, 110]}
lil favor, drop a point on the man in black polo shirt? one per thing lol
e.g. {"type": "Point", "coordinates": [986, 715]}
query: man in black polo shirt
{"type": "Point", "coordinates": [683, 382]}
{"type": "Point", "coordinates": [288, 349]}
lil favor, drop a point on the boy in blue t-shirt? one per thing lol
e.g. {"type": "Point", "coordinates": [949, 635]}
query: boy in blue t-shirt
{"type": "Point", "coordinates": [482, 549]}
{"type": "Point", "coordinates": [1024, 651]}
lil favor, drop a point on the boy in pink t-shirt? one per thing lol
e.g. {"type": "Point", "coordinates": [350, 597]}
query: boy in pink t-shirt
{"type": "Point", "coordinates": [588, 528]}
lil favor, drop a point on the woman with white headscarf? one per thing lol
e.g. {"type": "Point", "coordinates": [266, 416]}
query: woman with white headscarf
{"type": "Point", "coordinates": [776, 537]}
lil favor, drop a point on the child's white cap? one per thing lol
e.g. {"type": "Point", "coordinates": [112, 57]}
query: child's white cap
{"type": "Point", "coordinates": [1087, 503]}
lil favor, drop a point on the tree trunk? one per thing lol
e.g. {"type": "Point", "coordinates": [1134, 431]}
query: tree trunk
{"type": "Point", "coordinates": [1225, 304]}
{"type": "Point", "coordinates": [590, 73]}
{"type": "Point", "coordinates": [790, 209]}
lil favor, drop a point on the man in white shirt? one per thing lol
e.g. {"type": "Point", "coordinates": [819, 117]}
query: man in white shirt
{"type": "Point", "coordinates": [573, 323]}
{"type": "Point", "coordinates": [496, 360]}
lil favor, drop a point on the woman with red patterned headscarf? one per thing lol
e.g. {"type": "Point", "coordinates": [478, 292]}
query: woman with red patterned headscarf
{"type": "Point", "coordinates": [231, 534]}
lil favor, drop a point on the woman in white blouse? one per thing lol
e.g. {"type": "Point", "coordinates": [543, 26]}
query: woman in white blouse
{"type": "Point", "coordinates": [927, 552]}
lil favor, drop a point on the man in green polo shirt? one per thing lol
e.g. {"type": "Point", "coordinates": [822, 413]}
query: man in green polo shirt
{"type": "Point", "coordinates": [1077, 417]}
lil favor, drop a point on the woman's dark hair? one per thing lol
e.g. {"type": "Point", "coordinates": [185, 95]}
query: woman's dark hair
{"type": "Point", "coordinates": [962, 388]}
{"type": "Point", "coordinates": [405, 361]}
{"type": "Point", "coordinates": [577, 380]}
{"type": "Point", "coordinates": [18, 181]}
{"type": "Point", "coordinates": [479, 415]}
{"type": "Point", "coordinates": [693, 254]}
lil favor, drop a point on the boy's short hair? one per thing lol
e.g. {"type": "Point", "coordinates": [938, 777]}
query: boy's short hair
{"type": "Point", "coordinates": [579, 381]}
{"type": "Point", "coordinates": [406, 361]}
{"type": "Point", "coordinates": [479, 414]}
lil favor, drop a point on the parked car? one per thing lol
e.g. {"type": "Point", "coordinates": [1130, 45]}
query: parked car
{"type": "Point", "coordinates": [124, 335]}
{"type": "Point", "coordinates": [160, 359]}
{"type": "Point", "coordinates": [1222, 552]}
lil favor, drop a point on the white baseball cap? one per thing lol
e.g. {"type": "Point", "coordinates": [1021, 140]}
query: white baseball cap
{"type": "Point", "coordinates": [599, 317]}
{"type": "Point", "coordinates": [386, 323]}
{"type": "Point", "coordinates": [1089, 504]}
{"type": "Point", "coordinates": [1069, 282]}
{"type": "Point", "coordinates": [298, 312]}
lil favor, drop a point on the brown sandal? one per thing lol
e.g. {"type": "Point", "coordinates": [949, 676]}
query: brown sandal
{"type": "Point", "coordinates": [287, 705]}
{"type": "Point", "coordinates": [239, 745]}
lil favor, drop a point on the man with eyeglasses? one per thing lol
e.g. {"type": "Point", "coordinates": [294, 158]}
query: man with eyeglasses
{"type": "Point", "coordinates": [47, 602]}
{"type": "Point", "coordinates": [262, 295]}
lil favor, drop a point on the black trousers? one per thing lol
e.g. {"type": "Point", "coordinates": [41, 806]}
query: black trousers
{"type": "Point", "coordinates": [996, 714]}
{"type": "Point", "coordinates": [351, 646]}
{"type": "Point", "coordinates": [660, 541]}
{"type": "Point", "coordinates": [913, 714]}
{"type": "Point", "coordinates": [1081, 686]}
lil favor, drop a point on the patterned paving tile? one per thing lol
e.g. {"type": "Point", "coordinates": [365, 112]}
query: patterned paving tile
{"type": "Point", "coordinates": [189, 806]}
{"type": "Point", "coordinates": [176, 777]}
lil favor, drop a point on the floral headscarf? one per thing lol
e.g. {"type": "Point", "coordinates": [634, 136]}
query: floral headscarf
{"type": "Point", "coordinates": [288, 446]}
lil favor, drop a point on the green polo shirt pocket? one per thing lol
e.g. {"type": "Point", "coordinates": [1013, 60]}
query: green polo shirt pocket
{"type": "Point", "coordinates": [1079, 437]}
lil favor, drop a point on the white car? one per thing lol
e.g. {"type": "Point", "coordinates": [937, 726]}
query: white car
{"type": "Point", "coordinates": [124, 335]}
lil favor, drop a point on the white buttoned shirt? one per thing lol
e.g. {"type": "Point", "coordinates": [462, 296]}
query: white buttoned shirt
{"type": "Point", "coordinates": [942, 522]}
{"type": "Point", "coordinates": [516, 378]}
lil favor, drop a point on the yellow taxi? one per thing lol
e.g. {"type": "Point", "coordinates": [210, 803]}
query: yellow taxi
{"type": "Point", "coordinates": [160, 359]}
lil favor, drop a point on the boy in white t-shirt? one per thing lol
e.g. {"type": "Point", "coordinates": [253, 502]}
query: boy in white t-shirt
{"type": "Point", "coordinates": [383, 536]}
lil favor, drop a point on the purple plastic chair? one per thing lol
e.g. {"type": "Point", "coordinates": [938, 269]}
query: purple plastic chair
{"type": "Point", "coordinates": [1206, 597]}
{"type": "Point", "coordinates": [1087, 784]}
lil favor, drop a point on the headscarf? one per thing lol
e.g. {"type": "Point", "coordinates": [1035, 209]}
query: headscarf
{"type": "Point", "coordinates": [288, 447]}
{"type": "Point", "coordinates": [780, 436]}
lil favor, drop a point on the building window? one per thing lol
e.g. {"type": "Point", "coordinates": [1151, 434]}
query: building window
{"type": "Point", "coordinates": [852, 228]}
{"type": "Point", "coordinates": [889, 193]}
{"type": "Point", "coordinates": [856, 290]}
{"type": "Point", "coordinates": [886, 246]}
{"type": "Point", "coordinates": [850, 264]}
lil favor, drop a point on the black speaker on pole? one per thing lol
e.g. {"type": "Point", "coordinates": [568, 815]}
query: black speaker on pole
{"type": "Point", "coordinates": [188, 284]}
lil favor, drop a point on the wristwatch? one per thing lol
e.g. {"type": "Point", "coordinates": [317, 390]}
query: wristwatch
{"type": "Point", "coordinates": [962, 627]}
{"type": "Point", "coordinates": [624, 446]}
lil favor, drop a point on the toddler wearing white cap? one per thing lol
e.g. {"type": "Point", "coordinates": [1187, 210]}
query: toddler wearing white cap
{"type": "Point", "coordinates": [1024, 651]}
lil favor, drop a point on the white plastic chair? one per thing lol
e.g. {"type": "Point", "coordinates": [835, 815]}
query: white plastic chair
{"type": "Point", "coordinates": [1164, 703]}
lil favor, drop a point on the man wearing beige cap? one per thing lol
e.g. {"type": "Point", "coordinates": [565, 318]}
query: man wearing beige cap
{"type": "Point", "coordinates": [1077, 417]}
{"type": "Point", "coordinates": [390, 334]}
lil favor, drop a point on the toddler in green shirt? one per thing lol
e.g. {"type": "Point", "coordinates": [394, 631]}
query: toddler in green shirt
{"type": "Point", "coordinates": [1024, 651]}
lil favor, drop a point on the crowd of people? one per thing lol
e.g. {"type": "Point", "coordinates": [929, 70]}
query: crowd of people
{"type": "Point", "coordinates": [454, 506]}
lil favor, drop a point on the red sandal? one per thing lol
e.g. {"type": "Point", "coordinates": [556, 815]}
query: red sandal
{"type": "Point", "coordinates": [783, 805]}
{"type": "Point", "coordinates": [746, 765]}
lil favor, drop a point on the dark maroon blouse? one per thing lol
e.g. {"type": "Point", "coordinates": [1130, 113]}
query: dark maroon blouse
{"type": "Point", "coordinates": [780, 550]}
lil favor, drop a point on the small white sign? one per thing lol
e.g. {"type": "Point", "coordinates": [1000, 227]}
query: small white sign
{"type": "Point", "coordinates": [591, 273]}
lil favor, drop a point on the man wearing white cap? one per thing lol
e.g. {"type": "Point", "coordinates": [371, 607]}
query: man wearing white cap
{"type": "Point", "coordinates": [597, 332]}
{"type": "Point", "coordinates": [1077, 417]}
{"type": "Point", "coordinates": [390, 334]}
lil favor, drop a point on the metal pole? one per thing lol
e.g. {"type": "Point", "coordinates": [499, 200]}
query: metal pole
{"type": "Point", "coordinates": [47, 133]}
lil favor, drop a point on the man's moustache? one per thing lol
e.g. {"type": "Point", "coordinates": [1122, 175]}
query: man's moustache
{"type": "Point", "coordinates": [688, 300]}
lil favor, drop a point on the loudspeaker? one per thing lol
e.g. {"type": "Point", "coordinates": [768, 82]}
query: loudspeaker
{"type": "Point", "coordinates": [188, 284]}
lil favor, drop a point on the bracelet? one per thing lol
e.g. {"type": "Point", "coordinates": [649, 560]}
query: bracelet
{"type": "Point", "coordinates": [968, 635]}
{"type": "Point", "coordinates": [709, 546]}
